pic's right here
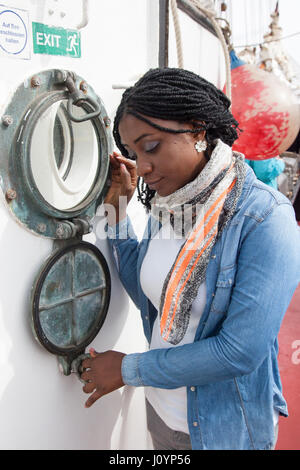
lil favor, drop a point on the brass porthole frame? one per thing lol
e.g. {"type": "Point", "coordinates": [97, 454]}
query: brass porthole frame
{"type": "Point", "coordinates": [16, 180]}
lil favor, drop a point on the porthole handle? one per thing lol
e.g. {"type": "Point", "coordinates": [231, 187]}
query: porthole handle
{"type": "Point", "coordinates": [73, 100]}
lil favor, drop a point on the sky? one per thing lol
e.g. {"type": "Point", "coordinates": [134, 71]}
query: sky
{"type": "Point", "coordinates": [250, 20]}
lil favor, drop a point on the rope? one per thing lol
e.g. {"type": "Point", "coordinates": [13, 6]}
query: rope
{"type": "Point", "coordinates": [210, 14]}
{"type": "Point", "coordinates": [174, 9]}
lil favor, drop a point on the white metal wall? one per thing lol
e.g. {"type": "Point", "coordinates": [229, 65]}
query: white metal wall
{"type": "Point", "coordinates": [39, 407]}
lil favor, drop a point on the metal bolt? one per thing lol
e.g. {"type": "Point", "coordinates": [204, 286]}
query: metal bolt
{"type": "Point", "coordinates": [83, 87]}
{"type": "Point", "coordinates": [35, 81]}
{"type": "Point", "coordinates": [11, 194]}
{"type": "Point", "coordinates": [50, 12]}
{"type": "Point", "coordinates": [41, 228]}
{"type": "Point", "coordinates": [60, 231]}
{"type": "Point", "coordinates": [7, 120]}
{"type": "Point", "coordinates": [107, 121]}
{"type": "Point", "coordinates": [62, 14]}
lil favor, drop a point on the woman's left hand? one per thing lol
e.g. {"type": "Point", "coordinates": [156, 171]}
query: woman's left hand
{"type": "Point", "coordinates": [103, 374]}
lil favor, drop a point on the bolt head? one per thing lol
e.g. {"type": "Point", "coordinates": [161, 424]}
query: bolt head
{"type": "Point", "coordinates": [35, 82]}
{"type": "Point", "coordinates": [41, 228]}
{"type": "Point", "coordinates": [60, 231]}
{"type": "Point", "coordinates": [7, 120]}
{"type": "Point", "coordinates": [83, 86]}
{"type": "Point", "coordinates": [107, 121]}
{"type": "Point", "coordinates": [11, 194]}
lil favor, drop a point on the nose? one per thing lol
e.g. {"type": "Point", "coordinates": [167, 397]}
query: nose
{"type": "Point", "coordinates": [143, 167]}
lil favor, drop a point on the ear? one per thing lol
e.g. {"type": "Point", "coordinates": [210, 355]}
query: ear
{"type": "Point", "coordinates": [201, 134]}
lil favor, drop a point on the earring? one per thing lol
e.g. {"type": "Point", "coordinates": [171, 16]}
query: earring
{"type": "Point", "coordinates": [201, 145]}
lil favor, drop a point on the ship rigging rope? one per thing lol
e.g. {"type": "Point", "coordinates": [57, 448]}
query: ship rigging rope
{"type": "Point", "coordinates": [211, 15]}
{"type": "Point", "coordinates": [177, 33]}
{"type": "Point", "coordinates": [269, 40]}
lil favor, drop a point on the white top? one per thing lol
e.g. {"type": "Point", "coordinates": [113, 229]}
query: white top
{"type": "Point", "coordinates": [170, 405]}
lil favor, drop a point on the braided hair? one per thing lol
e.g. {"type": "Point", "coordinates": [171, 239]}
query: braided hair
{"type": "Point", "coordinates": [177, 95]}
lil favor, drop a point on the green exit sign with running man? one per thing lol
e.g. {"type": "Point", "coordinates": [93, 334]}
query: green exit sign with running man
{"type": "Point", "coordinates": [56, 41]}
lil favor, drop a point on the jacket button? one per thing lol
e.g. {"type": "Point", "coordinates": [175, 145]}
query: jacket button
{"type": "Point", "coordinates": [193, 389]}
{"type": "Point", "coordinates": [195, 424]}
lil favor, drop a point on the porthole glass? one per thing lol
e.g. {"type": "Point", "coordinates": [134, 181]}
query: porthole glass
{"type": "Point", "coordinates": [64, 156]}
{"type": "Point", "coordinates": [55, 146]}
{"type": "Point", "coordinates": [70, 298]}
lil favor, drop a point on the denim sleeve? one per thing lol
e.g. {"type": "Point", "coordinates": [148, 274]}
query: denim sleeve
{"type": "Point", "coordinates": [268, 272]}
{"type": "Point", "coordinates": [125, 248]}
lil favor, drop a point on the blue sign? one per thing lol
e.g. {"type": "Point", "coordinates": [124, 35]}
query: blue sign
{"type": "Point", "coordinates": [14, 33]}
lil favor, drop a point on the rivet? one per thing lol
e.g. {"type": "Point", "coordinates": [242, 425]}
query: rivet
{"type": "Point", "coordinates": [7, 120]}
{"type": "Point", "coordinates": [35, 81]}
{"type": "Point", "coordinates": [83, 87]}
{"type": "Point", "coordinates": [50, 12]}
{"type": "Point", "coordinates": [11, 194]}
{"type": "Point", "coordinates": [60, 231]}
{"type": "Point", "coordinates": [62, 14]}
{"type": "Point", "coordinates": [41, 228]}
{"type": "Point", "coordinates": [107, 121]}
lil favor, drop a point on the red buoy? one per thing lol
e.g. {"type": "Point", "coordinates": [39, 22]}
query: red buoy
{"type": "Point", "coordinates": [266, 110]}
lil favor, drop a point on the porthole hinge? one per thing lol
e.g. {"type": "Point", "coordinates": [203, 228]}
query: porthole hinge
{"type": "Point", "coordinates": [72, 228]}
{"type": "Point", "coordinates": [78, 97]}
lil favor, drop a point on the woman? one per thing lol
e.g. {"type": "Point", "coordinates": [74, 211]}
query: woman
{"type": "Point", "coordinates": [212, 277]}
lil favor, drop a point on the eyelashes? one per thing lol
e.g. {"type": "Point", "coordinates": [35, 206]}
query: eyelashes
{"type": "Point", "coordinates": [149, 147]}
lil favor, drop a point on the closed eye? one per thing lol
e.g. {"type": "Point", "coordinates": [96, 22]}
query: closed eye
{"type": "Point", "coordinates": [151, 147]}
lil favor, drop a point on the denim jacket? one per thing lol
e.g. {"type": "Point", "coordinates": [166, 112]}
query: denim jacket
{"type": "Point", "coordinates": [230, 370]}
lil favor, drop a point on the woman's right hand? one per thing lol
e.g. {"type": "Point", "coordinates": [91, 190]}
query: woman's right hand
{"type": "Point", "coordinates": [123, 181]}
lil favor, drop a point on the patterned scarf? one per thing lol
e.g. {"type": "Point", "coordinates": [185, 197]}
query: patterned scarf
{"type": "Point", "coordinates": [198, 211]}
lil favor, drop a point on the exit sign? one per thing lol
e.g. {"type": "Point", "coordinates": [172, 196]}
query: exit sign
{"type": "Point", "coordinates": [55, 41]}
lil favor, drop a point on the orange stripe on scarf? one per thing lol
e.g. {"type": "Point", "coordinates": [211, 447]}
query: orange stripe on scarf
{"type": "Point", "coordinates": [182, 287]}
{"type": "Point", "coordinates": [189, 254]}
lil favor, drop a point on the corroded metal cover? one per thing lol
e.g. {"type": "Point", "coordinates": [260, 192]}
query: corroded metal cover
{"type": "Point", "coordinates": [52, 169]}
{"type": "Point", "coordinates": [70, 299]}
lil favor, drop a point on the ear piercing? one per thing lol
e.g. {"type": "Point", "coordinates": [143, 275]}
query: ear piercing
{"type": "Point", "coordinates": [201, 145]}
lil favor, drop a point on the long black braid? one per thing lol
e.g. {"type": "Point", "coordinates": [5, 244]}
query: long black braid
{"type": "Point", "coordinates": [178, 95]}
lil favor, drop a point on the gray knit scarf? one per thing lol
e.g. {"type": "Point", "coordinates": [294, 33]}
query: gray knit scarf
{"type": "Point", "coordinates": [198, 211]}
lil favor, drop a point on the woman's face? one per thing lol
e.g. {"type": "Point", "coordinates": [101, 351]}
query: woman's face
{"type": "Point", "coordinates": [165, 161]}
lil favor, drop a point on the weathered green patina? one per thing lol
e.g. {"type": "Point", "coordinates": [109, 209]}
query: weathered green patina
{"type": "Point", "coordinates": [30, 101]}
{"type": "Point", "coordinates": [70, 299]}
{"type": "Point", "coordinates": [71, 293]}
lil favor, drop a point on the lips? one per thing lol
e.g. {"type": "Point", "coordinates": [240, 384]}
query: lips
{"type": "Point", "coordinates": [153, 183]}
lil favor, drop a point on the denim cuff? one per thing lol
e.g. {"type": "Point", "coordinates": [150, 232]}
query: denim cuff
{"type": "Point", "coordinates": [122, 230]}
{"type": "Point", "coordinates": [130, 370]}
